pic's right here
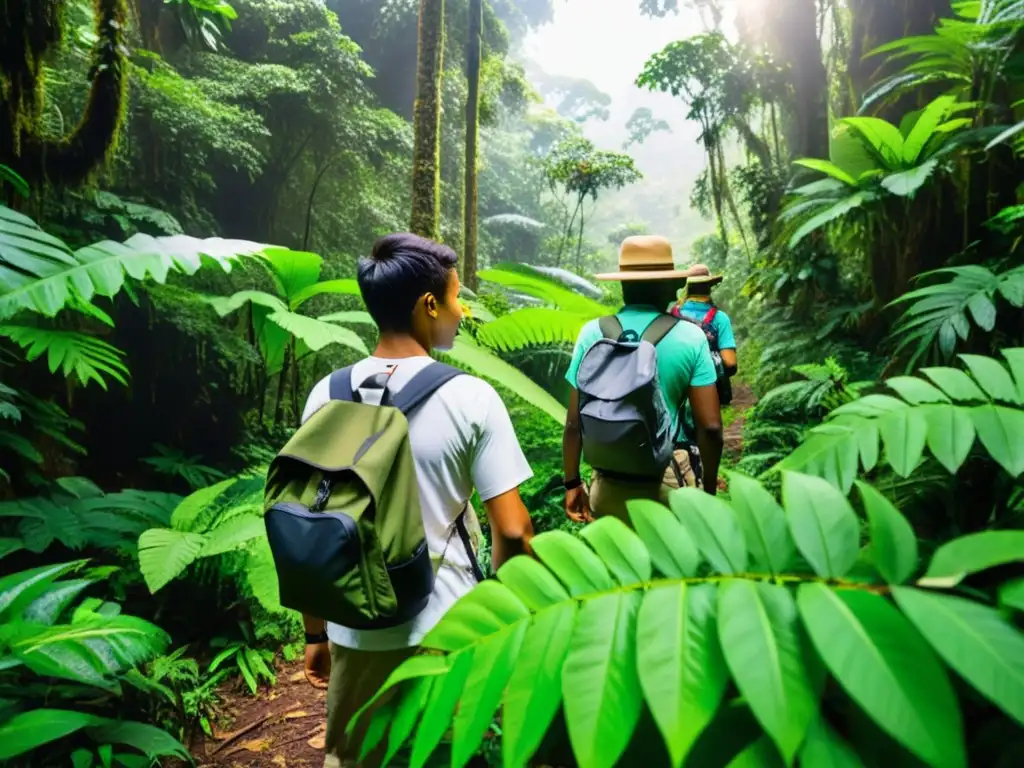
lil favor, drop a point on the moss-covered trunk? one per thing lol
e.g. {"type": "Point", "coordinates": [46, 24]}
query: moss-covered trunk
{"type": "Point", "coordinates": [469, 266]}
{"type": "Point", "coordinates": [30, 29]}
{"type": "Point", "coordinates": [426, 166]}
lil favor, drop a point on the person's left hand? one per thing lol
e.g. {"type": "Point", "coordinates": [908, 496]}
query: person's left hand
{"type": "Point", "coordinates": [318, 664]}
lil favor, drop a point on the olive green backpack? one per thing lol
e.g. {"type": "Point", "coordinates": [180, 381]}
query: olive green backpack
{"type": "Point", "coordinates": [343, 512]}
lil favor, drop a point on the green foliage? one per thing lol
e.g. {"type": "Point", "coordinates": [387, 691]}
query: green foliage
{"type": "Point", "coordinates": [870, 160]}
{"type": "Point", "coordinates": [702, 595]}
{"type": "Point", "coordinates": [58, 651]}
{"type": "Point", "coordinates": [940, 314]}
{"type": "Point", "coordinates": [41, 274]}
{"type": "Point", "coordinates": [213, 521]}
{"type": "Point", "coordinates": [250, 663]}
{"type": "Point", "coordinates": [944, 410]}
{"type": "Point", "coordinates": [79, 516]}
{"type": "Point", "coordinates": [189, 468]}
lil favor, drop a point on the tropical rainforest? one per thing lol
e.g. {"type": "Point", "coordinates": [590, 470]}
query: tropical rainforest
{"type": "Point", "coordinates": [185, 189]}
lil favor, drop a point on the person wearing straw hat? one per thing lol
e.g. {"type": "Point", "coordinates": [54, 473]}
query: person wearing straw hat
{"type": "Point", "coordinates": [681, 370]}
{"type": "Point", "coordinates": [698, 307]}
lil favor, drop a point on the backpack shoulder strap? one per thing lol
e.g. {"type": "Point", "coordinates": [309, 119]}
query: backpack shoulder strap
{"type": "Point", "coordinates": [423, 385]}
{"type": "Point", "coordinates": [709, 317]}
{"type": "Point", "coordinates": [611, 327]}
{"type": "Point", "coordinates": [341, 385]}
{"type": "Point", "coordinates": [659, 329]}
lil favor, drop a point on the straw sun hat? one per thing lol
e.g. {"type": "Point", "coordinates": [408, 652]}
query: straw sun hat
{"type": "Point", "coordinates": [699, 274]}
{"type": "Point", "coordinates": [645, 257]}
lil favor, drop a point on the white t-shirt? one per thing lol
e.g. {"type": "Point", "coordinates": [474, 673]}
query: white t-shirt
{"type": "Point", "coordinates": [461, 438]}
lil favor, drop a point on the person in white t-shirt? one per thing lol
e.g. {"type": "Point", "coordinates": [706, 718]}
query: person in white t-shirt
{"type": "Point", "coordinates": [462, 438]}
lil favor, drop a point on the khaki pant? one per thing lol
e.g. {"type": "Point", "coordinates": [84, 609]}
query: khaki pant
{"type": "Point", "coordinates": [355, 677]}
{"type": "Point", "coordinates": [608, 496]}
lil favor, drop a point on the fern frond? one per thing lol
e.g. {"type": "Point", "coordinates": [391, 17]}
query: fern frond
{"type": "Point", "coordinates": [938, 315]}
{"type": "Point", "coordinates": [946, 412]}
{"type": "Point", "coordinates": [39, 273]}
{"type": "Point", "coordinates": [74, 354]}
{"type": "Point", "coordinates": [533, 327]}
{"type": "Point", "coordinates": [530, 281]}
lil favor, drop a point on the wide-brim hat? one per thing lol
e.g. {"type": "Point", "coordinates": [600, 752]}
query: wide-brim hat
{"type": "Point", "coordinates": [699, 274]}
{"type": "Point", "coordinates": [645, 257]}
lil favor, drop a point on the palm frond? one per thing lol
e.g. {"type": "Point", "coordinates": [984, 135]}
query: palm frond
{"type": "Point", "coordinates": [73, 354]}
{"type": "Point", "coordinates": [532, 327]}
{"type": "Point", "coordinates": [39, 273]}
{"type": "Point", "coordinates": [528, 280]}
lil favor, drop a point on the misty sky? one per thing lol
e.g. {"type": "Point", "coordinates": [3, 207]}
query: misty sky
{"type": "Point", "coordinates": [607, 42]}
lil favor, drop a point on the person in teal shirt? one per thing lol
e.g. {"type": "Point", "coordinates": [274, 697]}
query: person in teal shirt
{"type": "Point", "coordinates": [695, 305]}
{"type": "Point", "coordinates": [686, 374]}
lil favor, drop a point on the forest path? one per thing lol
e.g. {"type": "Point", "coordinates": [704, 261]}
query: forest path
{"type": "Point", "coordinates": [284, 726]}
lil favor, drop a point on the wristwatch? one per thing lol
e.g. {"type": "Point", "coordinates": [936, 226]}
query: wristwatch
{"type": "Point", "coordinates": [570, 485]}
{"type": "Point", "coordinates": [316, 639]}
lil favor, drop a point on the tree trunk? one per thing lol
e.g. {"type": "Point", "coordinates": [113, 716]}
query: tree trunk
{"type": "Point", "coordinates": [876, 22]}
{"type": "Point", "coordinates": [426, 167]}
{"type": "Point", "coordinates": [470, 201]}
{"type": "Point", "coordinates": [579, 243]}
{"type": "Point", "coordinates": [796, 43]}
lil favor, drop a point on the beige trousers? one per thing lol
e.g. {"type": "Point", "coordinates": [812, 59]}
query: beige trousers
{"type": "Point", "coordinates": [355, 677]}
{"type": "Point", "coordinates": [609, 496]}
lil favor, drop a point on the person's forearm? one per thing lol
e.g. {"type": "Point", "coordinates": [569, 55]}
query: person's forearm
{"type": "Point", "coordinates": [505, 547]}
{"type": "Point", "coordinates": [572, 449]}
{"type": "Point", "coordinates": [313, 625]}
{"type": "Point", "coordinates": [709, 441]}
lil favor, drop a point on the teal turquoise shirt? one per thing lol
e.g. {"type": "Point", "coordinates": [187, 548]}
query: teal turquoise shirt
{"type": "Point", "coordinates": [684, 358]}
{"type": "Point", "coordinates": [696, 310]}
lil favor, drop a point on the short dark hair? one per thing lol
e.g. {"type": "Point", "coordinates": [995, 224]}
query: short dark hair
{"type": "Point", "coordinates": [655, 293]}
{"type": "Point", "coordinates": [401, 268]}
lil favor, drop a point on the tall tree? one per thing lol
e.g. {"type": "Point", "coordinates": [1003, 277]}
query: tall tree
{"type": "Point", "coordinates": [32, 30]}
{"type": "Point", "coordinates": [426, 166]}
{"type": "Point", "coordinates": [473, 45]}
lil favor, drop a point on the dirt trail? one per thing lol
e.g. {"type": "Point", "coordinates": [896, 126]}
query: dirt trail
{"type": "Point", "coordinates": [284, 726]}
{"type": "Point", "coordinates": [743, 400]}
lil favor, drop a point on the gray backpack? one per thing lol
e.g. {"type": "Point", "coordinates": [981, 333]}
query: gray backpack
{"type": "Point", "coordinates": [627, 432]}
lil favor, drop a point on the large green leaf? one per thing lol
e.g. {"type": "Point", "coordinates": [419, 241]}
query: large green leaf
{"type": "Point", "coordinates": [532, 583]}
{"type": "Point", "coordinates": [343, 287]}
{"type": "Point", "coordinates": [883, 137]}
{"type": "Point", "coordinates": [893, 543]}
{"type": "Point", "coordinates": [492, 668]}
{"type": "Point", "coordinates": [74, 354]}
{"type": "Point", "coordinates": [317, 334]}
{"type": "Point", "coordinates": [825, 747]}
{"type": "Point", "coordinates": [682, 671]}
{"type": "Point", "coordinates": [440, 707]}
{"type": "Point", "coordinates": [225, 305]}
{"type": "Point", "coordinates": [1000, 429]}
{"type": "Point", "coordinates": [830, 214]}
{"type": "Point", "coordinates": [41, 274]}
{"type": "Point", "coordinates": [823, 524]}
{"type": "Point", "coordinates": [908, 183]}
{"type": "Point", "coordinates": [670, 545]}
{"type": "Point", "coordinates": [148, 739]}
{"type": "Point", "coordinates": [576, 566]}
{"type": "Point", "coordinates": [980, 643]}
{"type": "Point", "coordinates": [534, 692]}
{"type": "Point", "coordinates": [959, 558]}
{"type": "Point", "coordinates": [533, 282]}
{"type": "Point", "coordinates": [600, 670]}
{"type": "Point", "coordinates": [760, 638]}
{"type": "Point", "coordinates": [763, 523]}
{"type": "Point", "coordinates": [91, 651]}
{"type": "Point", "coordinates": [622, 551]}
{"type": "Point", "coordinates": [28, 730]}
{"type": "Point", "coordinates": [164, 554]}
{"type": "Point", "coordinates": [293, 271]}
{"type": "Point", "coordinates": [828, 168]}
{"type": "Point", "coordinates": [16, 587]}
{"type": "Point", "coordinates": [531, 327]}
{"type": "Point", "coordinates": [886, 667]}
{"type": "Point", "coordinates": [469, 355]}
{"type": "Point", "coordinates": [714, 528]}
{"type": "Point", "coordinates": [930, 119]}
